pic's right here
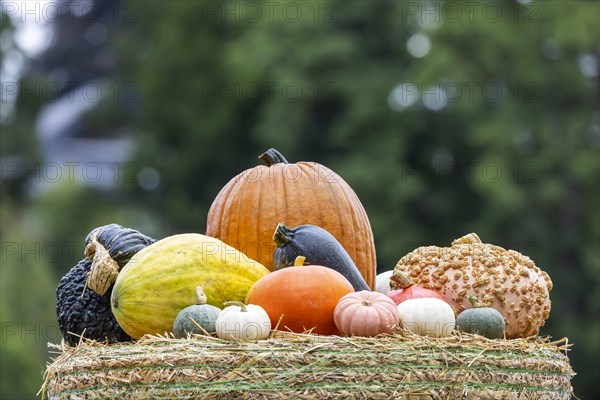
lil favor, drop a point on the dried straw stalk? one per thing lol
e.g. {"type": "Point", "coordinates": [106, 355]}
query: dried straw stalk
{"type": "Point", "coordinates": [302, 366]}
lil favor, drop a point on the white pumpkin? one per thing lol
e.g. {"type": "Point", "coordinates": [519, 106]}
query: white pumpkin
{"type": "Point", "coordinates": [427, 317]}
{"type": "Point", "coordinates": [243, 322]}
{"type": "Point", "coordinates": [382, 282]}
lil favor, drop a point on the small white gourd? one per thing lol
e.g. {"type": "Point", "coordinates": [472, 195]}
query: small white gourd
{"type": "Point", "coordinates": [382, 282]}
{"type": "Point", "coordinates": [427, 317]}
{"type": "Point", "coordinates": [243, 322]}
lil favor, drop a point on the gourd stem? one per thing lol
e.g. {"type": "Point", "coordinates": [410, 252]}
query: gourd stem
{"type": "Point", "coordinates": [271, 157]}
{"type": "Point", "coordinates": [104, 270]}
{"type": "Point", "coordinates": [282, 235]}
{"type": "Point", "coordinates": [366, 303]}
{"type": "Point", "coordinates": [299, 261]}
{"type": "Point", "coordinates": [471, 238]}
{"type": "Point", "coordinates": [236, 303]}
{"type": "Point", "coordinates": [200, 296]}
{"type": "Point", "coordinates": [476, 303]}
{"type": "Point", "coordinates": [402, 279]}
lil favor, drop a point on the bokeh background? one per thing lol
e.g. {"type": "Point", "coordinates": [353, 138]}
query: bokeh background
{"type": "Point", "coordinates": [445, 118]}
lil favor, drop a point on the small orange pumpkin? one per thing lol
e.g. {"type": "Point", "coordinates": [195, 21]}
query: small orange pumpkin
{"type": "Point", "coordinates": [248, 208]}
{"type": "Point", "coordinates": [306, 296]}
{"type": "Point", "coordinates": [366, 313]}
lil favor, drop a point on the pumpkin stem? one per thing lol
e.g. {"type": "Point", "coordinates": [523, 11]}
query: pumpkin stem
{"type": "Point", "coordinates": [366, 303]}
{"type": "Point", "coordinates": [104, 269]}
{"type": "Point", "coordinates": [476, 303]}
{"type": "Point", "coordinates": [200, 296]}
{"type": "Point", "coordinates": [401, 279]}
{"type": "Point", "coordinates": [271, 157]}
{"type": "Point", "coordinates": [471, 238]}
{"type": "Point", "coordinates": [236, 303]}
{"type": "Point", "coordinates": [299, 261]}
{"type": "Point", "coordinates": [282, 235]}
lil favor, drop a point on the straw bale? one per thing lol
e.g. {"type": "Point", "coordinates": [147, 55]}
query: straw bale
{"type": "Point", "coordinates": [304, 366]}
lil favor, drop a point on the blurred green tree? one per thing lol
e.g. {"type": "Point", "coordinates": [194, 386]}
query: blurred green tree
{"type": "Point", "coordinates": [480, 117]}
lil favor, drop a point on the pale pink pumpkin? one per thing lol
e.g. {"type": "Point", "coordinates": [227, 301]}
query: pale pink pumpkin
{"type": "Point", "coordinates": [365, 313]}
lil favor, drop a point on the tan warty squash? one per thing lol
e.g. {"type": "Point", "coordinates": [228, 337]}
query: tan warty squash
{"type": "Point", "coordinates": [504, 279]}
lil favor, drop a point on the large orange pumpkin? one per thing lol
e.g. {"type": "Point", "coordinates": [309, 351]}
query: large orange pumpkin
{"type": "Point", "coordinates": [247, 210]}
{"type": "Point", "coordinates": [305, 295]}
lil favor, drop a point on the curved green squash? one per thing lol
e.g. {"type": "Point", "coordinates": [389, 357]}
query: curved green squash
{"type": "Point", "coordinates": [160, 280]}
{"type": "Point", "coordinates": [121, 243]}
{"type": "Point", "coordinates": [109, 248]}
{"type": "Point", "coordinates": [319, 247]}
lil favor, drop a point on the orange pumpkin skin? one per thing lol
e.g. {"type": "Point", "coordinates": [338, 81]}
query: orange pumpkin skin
{"type": "Point", "coordinates": [247, 210]}
{"type": "Point", "coordinates": [306, 296]}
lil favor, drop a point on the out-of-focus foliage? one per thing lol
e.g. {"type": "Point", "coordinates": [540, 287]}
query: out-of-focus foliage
{"type": "Point", "coordinates": [507, 146]}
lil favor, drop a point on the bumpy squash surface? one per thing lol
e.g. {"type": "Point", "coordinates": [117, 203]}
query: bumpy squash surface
{"type": "Point", "coordinates": [159, 281]}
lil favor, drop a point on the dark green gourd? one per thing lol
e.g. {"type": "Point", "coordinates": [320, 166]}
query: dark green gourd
{"type": "Point", "coordinates": [121, 243]}
{"type": "Point", "coordinates": [319, 247]}
{"type": "Point", "coordinates": [482, 320]}
{"type": "Point", "coordinates": [110, 247]}
{"type": "Point", "coordinates": [199, 318]}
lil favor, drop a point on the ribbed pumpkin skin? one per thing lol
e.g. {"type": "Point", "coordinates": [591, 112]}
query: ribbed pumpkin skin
{"type": "Point", "coordinates": [366, 313]}
{"type": "Point", "coordinates": [247, 210]}
{"type": "Point", "coordinates": [160, 281]}
{"type": "Point", "coordinates": [306, 296]}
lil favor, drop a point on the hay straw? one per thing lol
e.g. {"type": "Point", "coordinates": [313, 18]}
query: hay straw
{"type": "Point", "coordinates": [304, 366]}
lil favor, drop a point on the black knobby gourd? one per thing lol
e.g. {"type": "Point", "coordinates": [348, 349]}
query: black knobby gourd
{"type": "Point", "coordinates": [84, 312]}
{"type": "Point", "coordinates": [319, 247]}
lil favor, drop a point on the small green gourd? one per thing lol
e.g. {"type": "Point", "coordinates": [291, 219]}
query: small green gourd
{"type": "Point", "coordinates": [198, 318]}
{"type": "Point", "coordinates": [482, 320]}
